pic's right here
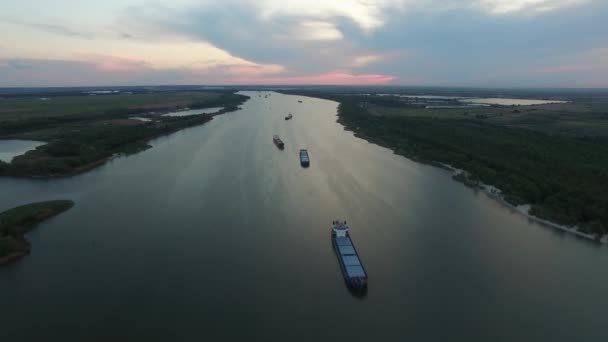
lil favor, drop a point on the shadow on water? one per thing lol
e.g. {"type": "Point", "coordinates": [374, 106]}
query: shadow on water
{"type": "Point", "coordinates": [359, 294]}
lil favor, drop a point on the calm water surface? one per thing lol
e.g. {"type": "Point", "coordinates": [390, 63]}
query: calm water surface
{"type": "Point", "coordinates": [195, 111]}
{"type": "Point", "coordinates": [214, 234]}
{"type": "Point", "coordinates": [12, 148]}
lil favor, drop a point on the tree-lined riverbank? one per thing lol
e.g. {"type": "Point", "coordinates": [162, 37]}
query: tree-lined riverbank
{"type": "Point", "coordinates": [563, 178]}
{"type": "Point", "coordinates": [79, 142]}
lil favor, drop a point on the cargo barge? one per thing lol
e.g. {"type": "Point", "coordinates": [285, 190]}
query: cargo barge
{"type": "Point", "coordinates": [350, 264]}
{"type": "Point", "coordinates": [288, 117]}
{"type": "Point", "coordinates": [278, 142]}
{"type": "Point", "coordinates": [304, 159]}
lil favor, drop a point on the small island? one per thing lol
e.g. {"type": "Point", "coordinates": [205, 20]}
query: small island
{"type": "Point", "coordinates": [15, 222]}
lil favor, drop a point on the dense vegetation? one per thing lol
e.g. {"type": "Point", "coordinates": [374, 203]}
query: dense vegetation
{"type": "Point", "coordinates": [564, 178]}
{"type": "Point", "coordinates": [19, 107]}
{"type": "Point", "coordinates": [77, 143]}
{"type": "Point", "coordinates": [17, 221]}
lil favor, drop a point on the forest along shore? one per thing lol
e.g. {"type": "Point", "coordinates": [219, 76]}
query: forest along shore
{"type": "Point", "coordinates": [536, 157]}
{"type": "Point", "coordinates": [83, 132]}
{"type": "Point", "coordinates": [523, 209]}
{"type": "Point", "coordinates": [15, 222]}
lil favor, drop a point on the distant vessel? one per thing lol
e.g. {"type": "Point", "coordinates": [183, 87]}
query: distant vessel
{"type": "Point", "coordinates": [304, 160]}
{"type": "Point", "coordinates": [299, 101]}
{"type": "Point", "coordinates": [288, 117]}
{"type": "Point", "coordinates": [350, 264]}
{"type": "Point", "coordinates": [278, 142]}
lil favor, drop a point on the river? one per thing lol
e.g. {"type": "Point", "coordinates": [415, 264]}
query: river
{"type": "Point", "coordinates": [215, 234]}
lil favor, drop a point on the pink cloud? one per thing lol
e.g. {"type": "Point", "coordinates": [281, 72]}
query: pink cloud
{"type": "Point", "coordinates": [593, 60]}
{"type": "Point", "coordinates": [373, 58]}
{"type": "Point", "coordinates": [238, 70]}
{"type": "Point", "coordinates": [118, 64]}
{"type": "Point", "coordinates": [334, 78]}
{"type": "Point", "coordinates": [113, 70]}
{"type": "Point", "coordinates": [561, 69]}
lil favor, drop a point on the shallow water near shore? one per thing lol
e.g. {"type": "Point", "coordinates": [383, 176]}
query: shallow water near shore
{"type": "Point", "coordinates": [216, 234]}
{"type": "Point", "coordinates": [12, 148]}
{"type": "Point", "coordinates": [195, 111]}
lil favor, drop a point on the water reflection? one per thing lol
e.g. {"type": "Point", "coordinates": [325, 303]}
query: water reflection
{"type": "Point", "coordinates": [214, 234]}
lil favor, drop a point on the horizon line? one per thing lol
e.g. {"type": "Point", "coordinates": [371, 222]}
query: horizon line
{"type": "Point", "coordinates": [261, 85]}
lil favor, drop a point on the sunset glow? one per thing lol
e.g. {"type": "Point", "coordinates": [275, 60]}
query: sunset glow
{"type": "Point", "coordinates": [303, 42]}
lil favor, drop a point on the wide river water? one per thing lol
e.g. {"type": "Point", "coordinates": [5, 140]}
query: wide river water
{"type": "Point", "coordinates": [215, 234]}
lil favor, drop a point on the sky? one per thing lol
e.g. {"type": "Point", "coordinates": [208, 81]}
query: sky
{"type": "Point", "coordinates": [478, 43]}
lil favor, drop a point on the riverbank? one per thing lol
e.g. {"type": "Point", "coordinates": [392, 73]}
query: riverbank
{"type": "Point", "coordinates": [561, 178]}
{"type": "Point", "coordinates": [76, 144]}
{"type": "Point", "coordinates": [522, 209]}
{"type": "Point", "coordinates": [16, 222]}
{"type": "Point", "coordinates": [521, 189]}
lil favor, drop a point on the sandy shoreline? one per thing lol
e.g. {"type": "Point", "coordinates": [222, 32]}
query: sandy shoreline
{"type": "Point", "coordinates": [491, 191]}
{"type": "Point", "coordinates": [497, 194]}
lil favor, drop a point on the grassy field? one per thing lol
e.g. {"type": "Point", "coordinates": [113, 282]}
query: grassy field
{"type": "Point", "coordinates": [571, 119]}
{"type": "Point", "coordinates": [19, 108]}
{"type": "Point", "coordinates": [442, 113]}
{"type": "Point", "coordinates": [17, 221]}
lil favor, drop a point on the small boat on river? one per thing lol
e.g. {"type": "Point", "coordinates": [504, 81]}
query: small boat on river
{"type": "Point", "coordinates": [277, 141]}
{"type": "Point", "coordinates": [304, 159]}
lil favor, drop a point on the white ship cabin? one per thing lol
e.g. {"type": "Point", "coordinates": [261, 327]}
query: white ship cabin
{"type": "Point", "coordinates": [340, 228]}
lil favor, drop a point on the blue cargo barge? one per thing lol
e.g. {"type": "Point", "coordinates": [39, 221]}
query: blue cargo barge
{"type": "Point", "coordinates": [304, 160]}
{"type": "Point", "coordinates": [352, 268]}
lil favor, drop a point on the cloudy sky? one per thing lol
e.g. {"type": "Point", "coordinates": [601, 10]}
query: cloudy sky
{"type": "Point", "coordinates": [500, 43]}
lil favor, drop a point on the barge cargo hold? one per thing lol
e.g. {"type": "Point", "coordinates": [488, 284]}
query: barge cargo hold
{"type": "Point", "coordinates": [350, 264]}
{"type": "Point", "coordinates": [304, 159]}
{"type": "Point", "coordinates": [278, 142]}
